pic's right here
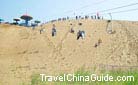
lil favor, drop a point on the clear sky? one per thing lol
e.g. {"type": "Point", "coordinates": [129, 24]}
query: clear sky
{"type": "Point", "coordinates": [45, 10]}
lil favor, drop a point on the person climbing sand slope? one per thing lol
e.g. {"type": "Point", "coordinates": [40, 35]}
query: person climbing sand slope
{"type": "Point", "coordinates": [54, 31]}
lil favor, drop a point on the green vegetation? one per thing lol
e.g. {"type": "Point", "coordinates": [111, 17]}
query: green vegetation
{"type": "Point", "coordinates": [36, 79]}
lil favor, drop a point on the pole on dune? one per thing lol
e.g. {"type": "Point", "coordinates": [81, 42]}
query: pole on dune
{"type": "Point", "coordinates": [110, 15]}
{"type": "Point", "coordinates": [111, 20]}
{"type": "Point", "coordinates": [109, 29]}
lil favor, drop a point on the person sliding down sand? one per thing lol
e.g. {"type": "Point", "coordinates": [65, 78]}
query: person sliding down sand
{"type": "Point", "coordinates": [42, 30]}
{"type": "Point", "coordinates": [54, 31]}
{"type": "Point", "coordinates": [81, 34]}
{"type": "Point", "coordinates": [72, 30]}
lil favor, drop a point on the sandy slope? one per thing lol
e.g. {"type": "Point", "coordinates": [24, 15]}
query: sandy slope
{"type": "Point", "coordinates": [24, 51]}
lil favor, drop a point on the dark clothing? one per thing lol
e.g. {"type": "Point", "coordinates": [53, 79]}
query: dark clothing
{"type": "Point", "coordinates": [72, 30]}
{"type": "Point", "coordinates": [80, 34]}
{"type": "Point", "coordinates": [53, 31]}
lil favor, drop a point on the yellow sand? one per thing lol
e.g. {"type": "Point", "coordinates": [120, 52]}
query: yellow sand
{"type": "Point", "coordinates": [24, 52]}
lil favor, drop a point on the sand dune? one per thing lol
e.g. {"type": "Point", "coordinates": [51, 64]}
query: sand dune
{"type": "Point", "coordinates": [24, 51]}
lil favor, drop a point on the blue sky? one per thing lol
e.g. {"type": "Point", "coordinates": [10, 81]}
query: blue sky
{"type": "Point", "coordinates": [45, 10]}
